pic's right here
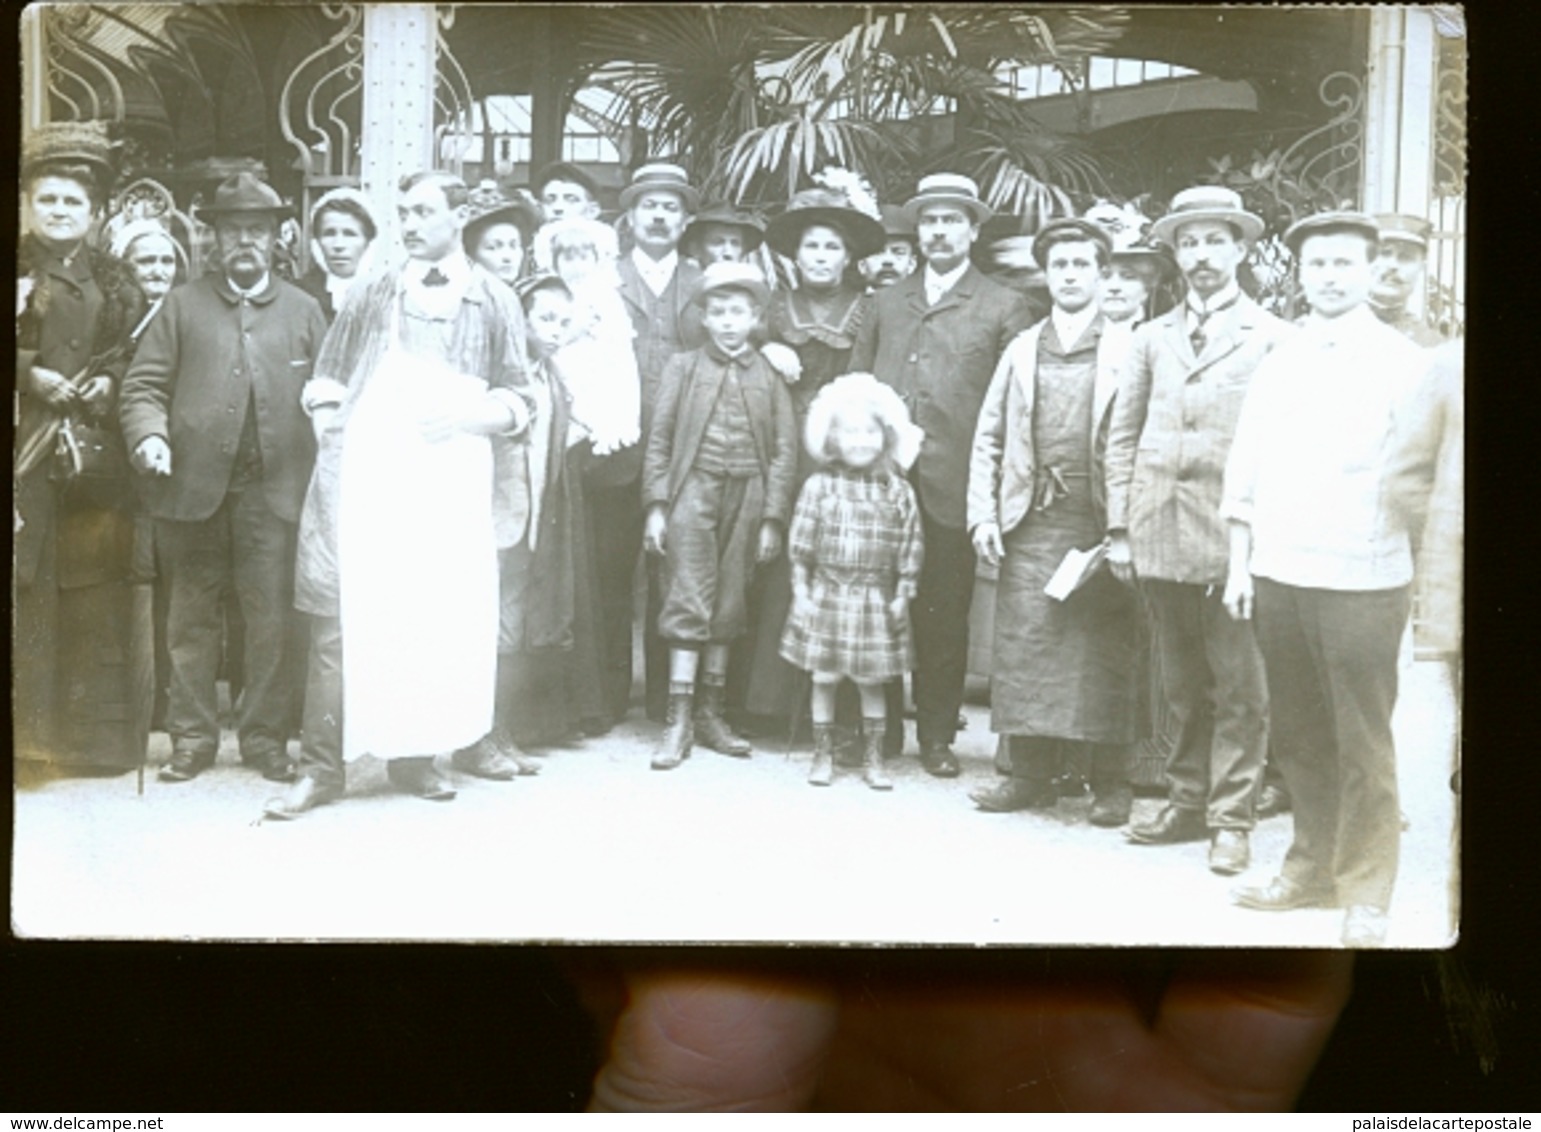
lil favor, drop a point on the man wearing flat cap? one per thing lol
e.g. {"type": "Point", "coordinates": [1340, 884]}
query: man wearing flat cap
{"type": "Point", "coordinates": [1172, 426]}
{"type": "Point", "coordinates": [936, 337]}
{"type": "Point", "coordinates": [1327, 477]}
{"type": "Point", "coordinates": [212, 418]}
{"type": "Point", "coordinates": [565, 191]}
{"type": "Point", "coordinates": [1399, 274]}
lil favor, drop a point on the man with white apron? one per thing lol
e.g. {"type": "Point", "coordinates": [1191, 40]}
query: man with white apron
{"type": "Point", "coordinates": [416, 401]}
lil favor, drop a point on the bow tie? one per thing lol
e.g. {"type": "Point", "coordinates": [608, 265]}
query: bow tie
{"type": "Point", "coordinates": [435, 278]}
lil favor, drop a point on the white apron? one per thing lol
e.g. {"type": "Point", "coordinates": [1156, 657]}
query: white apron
{"type": "Point", "coordinates": [418, 565]}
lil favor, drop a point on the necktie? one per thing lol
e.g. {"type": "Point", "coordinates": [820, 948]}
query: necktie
{"type": "Point", "coordinates": [435, 278]}
{"type": "Point", "coordinates": [1198, 337]}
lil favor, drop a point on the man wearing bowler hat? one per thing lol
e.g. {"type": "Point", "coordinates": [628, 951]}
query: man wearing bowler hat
{"type": "Point", "coordinates": [1172, 426]}
{"type": "Point", "coordinates": [1399, 273]}
{"type": "Point", "coordinates": [211, 414]}
{"type": "Point", "coordinates": [898, 259]}
{"type": "Point", "coordinates": [936, 336]}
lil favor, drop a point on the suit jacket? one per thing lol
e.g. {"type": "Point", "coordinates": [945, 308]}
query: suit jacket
{"type": "Point", "coordinates": [686, 396]}
{"type": "Point", "coordinates": [941, 360]}
{"type": "Point", "coordinates": [1002, 466]}
{"type": "Point", "coordinates": [1172, 428]}
{"type": "Point", "coordinates": [659, 338]}
{"type": "Point", "coordinates": [190, 383]}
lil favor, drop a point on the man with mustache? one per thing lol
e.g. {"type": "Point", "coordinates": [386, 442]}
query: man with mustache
{"type": "Point", "coordinates": [899, 257]}
{"type": "Point", "coordinates": [936, 337]}
{"type": "Point", "coordinates": [1398, 273]}
{"type": "Point", "coordinates": [211, 414]}
{"type": "Point", "coordinates": [1173, 422]}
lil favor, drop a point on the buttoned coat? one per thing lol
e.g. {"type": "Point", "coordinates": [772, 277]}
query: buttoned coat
{"type": "Point", "coordinates": [653, 343]}
{"type": "Point", "coordinates": [941, 359]}
{"type": "Point", "coordinates": [1002, 466]}
{"type": "Point", "coordinates": [1171, 432]}
{"type": "Point", "coordinates": [689, 390]}
{"type": "Point", "coordinates": [191, 384]}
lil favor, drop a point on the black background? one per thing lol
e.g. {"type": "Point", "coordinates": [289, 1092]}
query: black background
{"type": "Point", "coordinates": [122, 1027]}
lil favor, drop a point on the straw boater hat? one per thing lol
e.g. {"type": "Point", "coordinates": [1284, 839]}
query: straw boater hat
{"type": "Point", "coordinates": [1401, 227]}
{"type": "Point", "coordinates": [728, 276]}
{"type": "Point", "coordinates": [1073, 228]}
{"type": "Point", "coordinates": [947, 188]}
{"type": "Point", "coordinates": [1206, 202]}
{"type": "Point", "coordinates": [245, 194]}
{"type": "Point", "coordinates": [829, 207]}
{"type": "Point", "coordinates": [661, 177]}
{"type": "Point", "coordinates": [725, 214]}
{"type": "Point", "coordinates": [862, 390]}
{"type": "Point", "coordinates": [76, 143]}
{"type": "Point", "coordinates": [1335, 220]}
{"type": "Point", "coordinates": [487, 204]}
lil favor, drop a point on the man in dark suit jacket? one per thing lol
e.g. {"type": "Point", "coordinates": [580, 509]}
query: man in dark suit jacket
{"type": "Point", "coordinates": [211, 413]}
{"type": "Point", "coordinates": [656, 285]}
{"type": "Point", "coordinates": [936, 337]}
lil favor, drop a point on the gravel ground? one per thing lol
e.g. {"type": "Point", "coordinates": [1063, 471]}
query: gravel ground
{"type": "Point", "coordinates": [600, 847]}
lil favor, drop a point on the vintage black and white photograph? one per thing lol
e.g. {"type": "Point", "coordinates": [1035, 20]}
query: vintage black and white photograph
{"type": "Point", "coordinates": [840, 474]}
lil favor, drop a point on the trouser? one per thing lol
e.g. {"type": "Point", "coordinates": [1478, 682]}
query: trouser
{"type": "Point", "coordinates": [616, 520]}
{"type": "Point", "coordinates": [1331, 658]}
{"type": "Point", "coordinates": [939, 620]}
{"type": "Point", "coordinates": [1213, 681]}
{"type": "Point", "coordinates": [321, 732]}
{"type": "Point", "coordinates": [245, 545]}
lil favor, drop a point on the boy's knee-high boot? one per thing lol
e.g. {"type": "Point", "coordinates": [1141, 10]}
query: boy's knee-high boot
{"type": "Point", "coordinates": [679, 732]}
{"type": "Point", "coordinates": [822, 772]}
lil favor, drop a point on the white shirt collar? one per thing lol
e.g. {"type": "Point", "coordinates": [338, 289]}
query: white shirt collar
{"type": "Point", "coordinates": [1199, 307]}
{"type": "Point", "coordinates": [256, 288]}
{"type": "Point", "coordinates": [656, 273]}
{"type": "Point", "coordinates": [1346, 326]}
{"type": "Point", "coordinates": [1069, 327]}
{"type": "Point", "coordinates": [938, 285]}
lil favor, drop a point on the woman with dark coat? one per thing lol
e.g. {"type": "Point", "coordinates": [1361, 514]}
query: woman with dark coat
{"type": "Point", "coordinates": [81, 645]}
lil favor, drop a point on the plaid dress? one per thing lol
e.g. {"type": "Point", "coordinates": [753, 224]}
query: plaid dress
{"type": "Point", "coordinates": [858, 535]}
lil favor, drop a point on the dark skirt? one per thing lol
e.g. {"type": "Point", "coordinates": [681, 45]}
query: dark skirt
{"type": "Point", "coordinates": [1062, 669]}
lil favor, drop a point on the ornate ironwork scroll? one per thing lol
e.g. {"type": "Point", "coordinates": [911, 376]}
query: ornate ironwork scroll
{"type": "Point", "coordinates": [320, 105]}
{"type": "Point", "coordinates": [453, 98]}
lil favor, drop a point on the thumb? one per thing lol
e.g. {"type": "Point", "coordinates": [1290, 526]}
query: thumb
{"type": "Point", "coordinates": [710, 1041]}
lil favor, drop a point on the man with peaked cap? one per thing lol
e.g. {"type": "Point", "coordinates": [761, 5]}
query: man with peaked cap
{"type": "Point", "coordinates": [1172, 426]}
{"type": "Point", "coordinates": [936, 337]}
{"type": "Point", "coordinates": [211, 415]}
{"type": "Point", "coordinates": [899, 257]}
{"type": "Point", "coordinates": [563, 190]}
{"type": "Point", "coordinates": [1399, 273]}
{"type": "Point", "coordinates": [1327, 479]}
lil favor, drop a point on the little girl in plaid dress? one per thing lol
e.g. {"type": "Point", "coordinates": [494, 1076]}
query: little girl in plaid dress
{"type": "Point", "coordinates": [855, 549]}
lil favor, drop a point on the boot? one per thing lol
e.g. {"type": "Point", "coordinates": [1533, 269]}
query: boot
{"type": "Point", "coordinates": [1031, 785]}
{"type": "Point", "coordinates": [823, 771]}
{"type": "Point", "coordinates": [679, 733]}
{"type": "Point", "coordinates": [712, 730]}
{"type": "Point", "coordinates": [1112, 796]}
{"type": "Point", "coordinates": [874, 775]}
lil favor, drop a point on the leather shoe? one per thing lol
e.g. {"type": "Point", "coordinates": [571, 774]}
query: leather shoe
{"type": "Point", "coordinates": [1229, 852]}
{"type": "Point", "coordinates": [1110, 806]}
{"type": "Point", "coordinates": [1271, 800]}
{"type": "Point", "coordinates": [419, 776]}
{"type": "Point", "coordinates": [939, 761]}
{"type": "Point", "coordinates": [1015, 794]}
{"type": "Point", "coordinates": [306, 794]}
{"type": "Point", "coordinates": [274, 766]}
{"type": "Point", "coordinates": [1281, 895]}
{"type": "Point", "coordinates": [184, 766]}
{"type": "Point", "coordinates": [482, 760]}
{"type": "Point", "coordinates": [1364, 925]}
{"type": "Point", "coordinates": [1171, 826]}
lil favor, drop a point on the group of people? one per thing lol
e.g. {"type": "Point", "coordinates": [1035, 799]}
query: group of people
{"type": "Point", "coordinates": [452, 464]}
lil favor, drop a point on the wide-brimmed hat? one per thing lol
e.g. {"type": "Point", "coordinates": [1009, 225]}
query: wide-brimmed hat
{"type": "Point", "coordinates": [82, 143]}
{"type": "Point", "coordinates": [487, 204]}
{"type": "Point", "coordinates": [728, 276]}
{"type": "Point", "coordinates": [725, 214]}
{"type": "Point", "coordinates": [831, 208]}
{"type": "Point", "coordinates": [897, 224]}
{"type": "Point", "coordinates": [1206, 202]}
{"type": "Point", "coordinates": [661, 177]}
{"type": "Point", "coordinates": [863, 390]}
{"type": "Point", "coordinates": [947, 188]}
{"type": "Point", "coordinates": [245, 193]}
{"type": "Point", "coordinates": [1069, 228]}
{"type": "Point", "coordinates": [563, 171]}
{"type": "Point", "coordinates": [1331, 221]}
{"type": "Point", "coordinates": [1404, 228]}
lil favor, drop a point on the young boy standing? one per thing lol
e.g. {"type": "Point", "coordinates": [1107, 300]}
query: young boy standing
{"type": "Point", "coordinates": [717, 487]}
